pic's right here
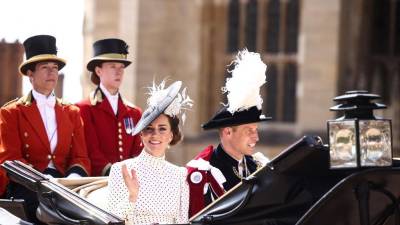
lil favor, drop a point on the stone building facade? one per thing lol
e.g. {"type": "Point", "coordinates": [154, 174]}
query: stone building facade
{"type": "Point", "coordinates": [11, 55]}
{"type": "Point", "coordinates": [314, 49]}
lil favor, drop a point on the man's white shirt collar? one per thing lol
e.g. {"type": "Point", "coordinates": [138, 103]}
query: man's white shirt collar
{"type": "Point", "coordinates": [43, 100]}
{"type": "Point", "coordinates": [113, 99]}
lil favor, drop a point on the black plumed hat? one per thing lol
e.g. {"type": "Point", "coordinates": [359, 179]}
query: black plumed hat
{"type": "Point", "coordinates": [243, 93]}
{"type": "Point", "coordinates": [224, 118]}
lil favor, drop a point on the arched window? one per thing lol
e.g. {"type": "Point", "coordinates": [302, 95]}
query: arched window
{"type": "Point", "coordinates": [270, 27]}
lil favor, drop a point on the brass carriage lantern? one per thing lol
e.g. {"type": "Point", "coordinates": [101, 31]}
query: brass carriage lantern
{"type": "Point", "coordinates": [359, 139]}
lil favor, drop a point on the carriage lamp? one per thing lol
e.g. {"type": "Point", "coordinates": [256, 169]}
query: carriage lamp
{"type": "Point", "coordinates": [359, 139]}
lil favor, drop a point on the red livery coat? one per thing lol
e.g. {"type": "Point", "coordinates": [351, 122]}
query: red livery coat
{"type": "Point", "coordinates": [197, 199]}
{"type": "Point", "coordinates": [106, 135]}
{"type": "Point", "coordinates": [23, 137]}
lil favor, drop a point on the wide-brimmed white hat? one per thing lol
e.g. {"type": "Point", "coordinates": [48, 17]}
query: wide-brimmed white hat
{"type": "Point", "coordinates": [160, 100]}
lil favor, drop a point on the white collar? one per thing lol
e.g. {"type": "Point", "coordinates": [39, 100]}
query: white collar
{"type": "Point", "coordinates": [153, 160]}
{"type": "Point", "coordinates": [107, 93]}
{"type": "Point", "coordinates": [41, 97]}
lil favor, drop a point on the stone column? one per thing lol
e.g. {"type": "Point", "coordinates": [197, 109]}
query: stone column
{"type": "Point", "coordinates": [101, 21]}
{"type": "Point", "coordinates": [168, 46]}
{"type": "Point", "coordinates": [11, 56]}
{"type": "Point", "coordinates": [128, 31]}
{"type": "Point", "coordinates": [318, 64]}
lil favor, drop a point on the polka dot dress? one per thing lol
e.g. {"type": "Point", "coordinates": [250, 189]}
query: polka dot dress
{"type": "Point", "coordinates": [163, 191]}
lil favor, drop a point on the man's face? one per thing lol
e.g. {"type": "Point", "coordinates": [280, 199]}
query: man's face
{"type": "Point", "coordinates": [111, 74]}
{"type": "Point", "coordinates": [243, 138]}
{"type": "Point", "coordinates": [44, 78]}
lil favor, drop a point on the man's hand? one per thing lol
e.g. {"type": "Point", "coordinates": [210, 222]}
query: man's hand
{"type": "Point", "coordinates": [131, 183]}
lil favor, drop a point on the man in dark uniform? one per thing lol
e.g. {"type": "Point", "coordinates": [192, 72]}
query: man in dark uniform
{"type": "Point", "coordinates": [40, 129]}
{"type": "Point", "coordinates": [216, 170]}
{"type": "Point", "coordinates": [108, 118]}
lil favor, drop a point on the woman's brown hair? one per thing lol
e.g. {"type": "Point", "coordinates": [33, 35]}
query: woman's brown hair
{"type": "Point", "coordinates": [177, 135]}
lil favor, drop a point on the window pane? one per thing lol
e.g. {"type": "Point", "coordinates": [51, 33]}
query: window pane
{"type": "Point", "coordinates": [272, 90]}
{"type": "Point", "coordinates": [289, 92]}
{"type": "Point", "coordinates": [233, 26]}
{"type": "Point", "coordinates": [251, 25]}
{"type": "Point", "coordinates": [292, 26]}
{"type": "Point", "coordinates": [380, 27]}
{"type": "Point", "coordinates": [273, 23]}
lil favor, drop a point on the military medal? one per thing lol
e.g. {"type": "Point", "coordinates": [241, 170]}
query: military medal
{"type": "Point", "coordinates": [132, 125]}
{"type": "Point", "coordinates": [128, 127]}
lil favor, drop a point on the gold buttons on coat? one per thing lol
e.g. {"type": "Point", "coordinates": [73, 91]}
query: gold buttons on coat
{"type": "Point", "coordinates": [25, 134]}
{"type": "Point", "coordinates": [26, 145]}
{"type": "Point", "coordinates": [27, 155]}
{"type": "Point", "coordinates": [120, 149]}
{"type": "Point", "coordinates": [49, 156]}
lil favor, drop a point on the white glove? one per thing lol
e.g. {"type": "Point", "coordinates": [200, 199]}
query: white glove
{"type": "Point", "coordinates": [74, 175]}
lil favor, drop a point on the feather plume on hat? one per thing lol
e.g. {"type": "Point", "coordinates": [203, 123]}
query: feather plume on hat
{"type": "Point", "coordinates": [179, 105]}
{"type": "Point", "coordinates": [243, 87]}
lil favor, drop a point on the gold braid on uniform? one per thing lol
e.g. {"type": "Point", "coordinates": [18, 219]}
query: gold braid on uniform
{"type": "Point", "coordinates": [236, 172]}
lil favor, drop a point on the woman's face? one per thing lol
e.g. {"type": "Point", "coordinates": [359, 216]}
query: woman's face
{"type": "Point", "coordinates": [157, 136]}
{"type": "Point", "coordinates": [44, 78]}
{"type": "Point", "coordinates": [111, 74]}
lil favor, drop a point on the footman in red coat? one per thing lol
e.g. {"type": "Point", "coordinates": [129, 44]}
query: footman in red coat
{"type": "Point", "coordinates": [40, 129]}
{"type": "Point", "coordinates": [109, 120]}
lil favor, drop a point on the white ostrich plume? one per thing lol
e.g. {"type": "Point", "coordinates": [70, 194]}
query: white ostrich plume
{"type": "Point", "coordinates": [243, 87]}
{"type": "Point", "coordinates": [179, 105]}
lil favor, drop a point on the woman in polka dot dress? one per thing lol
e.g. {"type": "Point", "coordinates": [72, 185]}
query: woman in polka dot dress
{"type": "Point", "coordinates": [148, 189]}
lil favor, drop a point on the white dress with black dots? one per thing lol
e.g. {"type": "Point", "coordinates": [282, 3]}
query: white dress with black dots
{"type": "Point", "coordinates": [163, 191]}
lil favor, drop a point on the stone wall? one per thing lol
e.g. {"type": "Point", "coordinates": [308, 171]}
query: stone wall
{"type": "Point", "coordinates": [11, 55]}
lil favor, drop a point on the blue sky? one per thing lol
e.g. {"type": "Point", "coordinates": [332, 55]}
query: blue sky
{"type": "Point", "coordinates": [20, 19]}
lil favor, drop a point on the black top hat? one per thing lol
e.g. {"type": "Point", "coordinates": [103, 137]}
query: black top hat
{"type": "Point", "coordinates": [224, 118]}
{"type": "Point", "coordinates": [152, 113]}
{"type": "Point", "coordinates": [107, 50]}
{"type": "Point", "coordinates": [38, 49]}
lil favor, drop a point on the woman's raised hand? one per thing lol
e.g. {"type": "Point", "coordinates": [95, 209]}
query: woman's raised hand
{"type": "Point", "coordinates": [131, 183]}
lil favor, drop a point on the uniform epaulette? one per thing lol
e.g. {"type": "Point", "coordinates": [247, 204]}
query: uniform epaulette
{"type": "Point", "coordinates": [9, 102]}
{"type": "Point", "coordinates": [63, 101]}
{"type": "Point", "coordinates": [26, 100]}
{"type": "Point", "coordinates": [95, 96]}
{"type": "Point", "coordinates": [129, 104]}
